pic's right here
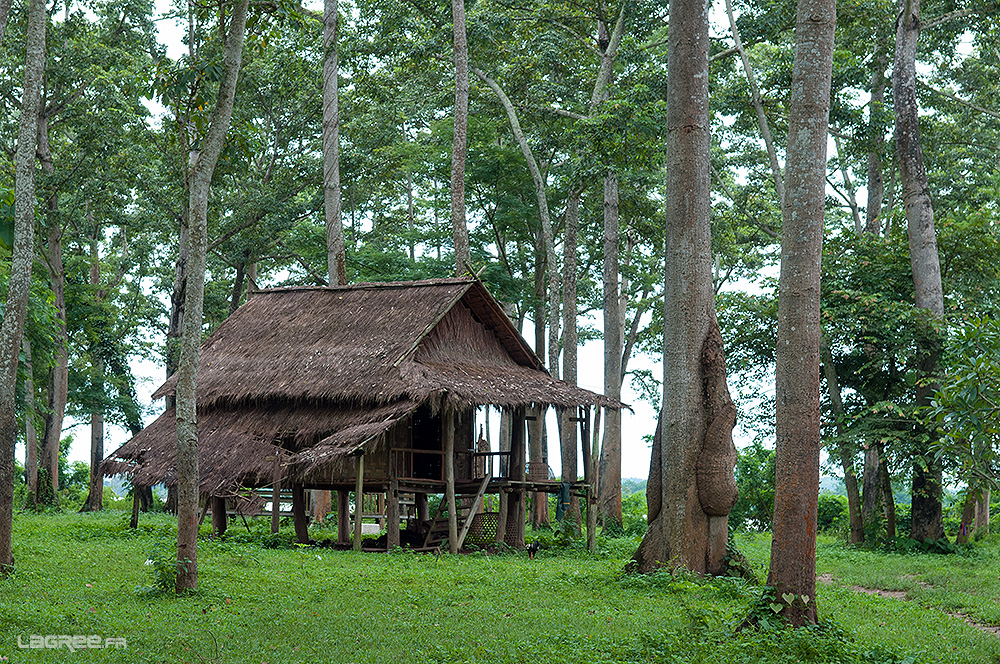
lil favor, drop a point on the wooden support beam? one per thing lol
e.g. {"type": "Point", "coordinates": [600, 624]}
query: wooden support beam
{"type": "Point", "coordinates": [276, 495]}
{"type": "Point", "coordinates": [423, 508]}
{"type": "Point", "coordinates": [501, 535]}
{"type": "Point", "coordinates": [220, 518]}
{"type": "Point", "coordinates": [590, 456]}
{"type": "Point", "coordinates": [343, 517]}
{"type": "Point", "coordinates": [359, 501]}
{"type": "Point", "coordinates": [516, 504]}
{"type": "Point", "coordinates": [299, 517]}
{"type": "Point", "coordinates": [448, 432]}
{"type": "Point", "coordinates": [392, 507]}
{"type": "Point", "coordinates": [136, 499]}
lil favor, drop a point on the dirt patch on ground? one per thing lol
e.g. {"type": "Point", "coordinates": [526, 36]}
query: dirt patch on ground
{"type": "Point", "coordinates": [901, 595]}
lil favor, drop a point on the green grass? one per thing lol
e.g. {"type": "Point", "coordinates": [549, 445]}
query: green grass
{"type": "Point", "coordinates": [85, 574]}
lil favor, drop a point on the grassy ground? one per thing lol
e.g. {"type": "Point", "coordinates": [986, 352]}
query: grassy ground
{"type": "Point", "coordinates": [86, 574]}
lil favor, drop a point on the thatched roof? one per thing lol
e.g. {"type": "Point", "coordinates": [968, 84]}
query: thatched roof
{"type": "Point", "coordinates": [437, 341]}
{"type": "Point", "coordinates": [316, 375]}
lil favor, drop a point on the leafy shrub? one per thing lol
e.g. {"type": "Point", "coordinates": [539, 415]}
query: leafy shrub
{"type": "Point", "coordinates": [833, 514]}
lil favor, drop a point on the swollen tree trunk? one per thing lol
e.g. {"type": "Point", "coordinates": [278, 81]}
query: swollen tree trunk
{"type": "Point", "coordinates": [460, 231]}
{"type": "Point", "coordinates": [202, 166]}
{"type": "Point", "coordinates": [609, 475]}
{"type": "Point", "coordinates": [336, 251]}
{"type": "Point", "coordinates": [796, 493]}
{"type": "Point", "coordinates": [928, 295]}
{"type": "Point", "coordinates": [691, 469]}
{"type": "Point", "coordinates": [22, 256]}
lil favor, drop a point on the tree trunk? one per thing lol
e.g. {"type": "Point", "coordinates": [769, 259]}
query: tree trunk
{"type": "Point", "coordinates": [59, 375]}
{"type": "Point", "coordinates": [762, 123]}
{"type": "Point", "coordinates": [22, 256]}
{"type": "Point", "coordinates": [568, 428]}
{"type": "Point", "coordinates": [982, 520]}
{"type": "Point", "coordinates": [796, 493]}
{"type": "Point", "coordinates": [4, 15]}
{"type": "Point", "coordinates": [691, 486]}
{"type": "Point", "coordinates": [888, 499]}
{"type": "Point", "coordinates": [872, 509]}
{"type": "Point", "coordinates": [202, 166]}
{"type": "Point", "coordinates": [336, 250]}
{"type": "Point", "coordinates": [926, 497]}
{"type": "Point", "coordinates": [30, 433]}
{"type": "Point", "coordinates": [609, 474]}
{"type": "Point", "coordinates": [857, 534]}
{"type": "Point", "coordinates": [876, 184]}
{"type": "Point", "coordinates": [460, 231]}
{"type": "Point", "coordinates": [95, 495]}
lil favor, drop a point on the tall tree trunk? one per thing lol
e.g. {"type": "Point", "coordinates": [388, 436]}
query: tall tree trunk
{"type": "Point", "coordinates": [691, 469]}
{"type": "Point", "coordinates": [609, 474]}
{"type": "Point", "coordinates": [95, 495]}
{"type": "Point", "coordinates": [924, 262]}
{"type": "Point", "coordinates": [844, 451]}
{"type": "Point", "coordinates": [568, 429]}
{"type": "Point", "coordinates": [876, 184]}
{"type": "Point", "coordinates": [796, 493]}
{"type": "Point", "coordinates": [59, 375]}
{"type": "Point", "coordinates": [22, 256]}
{"type": "Point", "coordinates": [30, 432]}
{"type": "Point", "coordinates": [336, 250]}
{"type": "Point", "coordinates": [762, 123]}
{"type": "Point", "coordinates": [460, 231]}
{"type": "Point", "coordinates": [202, 166]}
{"type": "Point", "coordinates": [4, 15]}
{"type": "Point", "coordinates": [873, 508]}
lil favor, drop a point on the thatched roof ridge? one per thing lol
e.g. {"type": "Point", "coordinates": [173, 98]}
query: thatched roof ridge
{"type": "Point", "coordinates": [364, 344]}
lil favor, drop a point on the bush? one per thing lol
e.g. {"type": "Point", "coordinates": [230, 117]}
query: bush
{"type": "Point", "coordinates": [834, 515]}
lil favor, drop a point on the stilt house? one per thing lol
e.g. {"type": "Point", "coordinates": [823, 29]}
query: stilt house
{"type": "Point", "coordinates": [372, 388]}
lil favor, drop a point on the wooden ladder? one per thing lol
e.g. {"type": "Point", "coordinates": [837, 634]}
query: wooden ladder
{"type": "Point", "coordinates": [467, 506]}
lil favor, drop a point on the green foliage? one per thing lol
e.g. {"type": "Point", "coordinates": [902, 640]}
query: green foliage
{"type": "Point", "coordinates": [832, 513]}
{"type": "Point", "coordinates": [162, 563]}
{"type": "Point", "coordinates": [755, 478]}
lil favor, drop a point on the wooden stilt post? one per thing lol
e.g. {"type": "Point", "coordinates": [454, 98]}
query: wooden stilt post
{"type": "Point", "coordinates": [343, 517]}
{"type": "Point", "coordinates": [502, 517]}
{"type": "Point", "coordinates": [423, 508]}
{"type": "Point", "coordinates": [448, 432]}
{"type": "Point", "coordinates": [276, 495]}
{"type": "Point", "coordinates": [299, 517]}
{"type": "Point", "coordinates": [359, 501]}
{"type": "Point", "coordinates": [516, 500]}
{"type": "Point", "coordinates": [590, 453]}
{"type": "Point", "coordinates": [220, 518]}
{"type": "Point", "coordinates": [392, 507]}
{"type": "Point", "coordinates": [136, 499]}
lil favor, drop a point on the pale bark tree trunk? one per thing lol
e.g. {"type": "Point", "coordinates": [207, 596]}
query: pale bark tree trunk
{"type": "Point", "coordinates": [95, 495]}
{"type": "Point", "coordinates": [4, 15]}
{"type": "Point", "coordinates": [336, 251]}
{"type": "Point", "coordinates": [857, 534]}
{"type": "Point", "coordinates": [982, 520]}
{"type": "Point", "coordinates": [924, 262]}
{"type": "Point", "coordinates": [758, 105]}
{"type": "Point", "coordinates": [873, 508]}
{"type": "Point", "coordinates": [609, 474]}
{"type": "Point", "coordinates": [58, 388]}
{"type": "Point", "coordinates": [873, 214]}
{"type": "Point", "coordinates": [460, 231]}
{"type": "Point", "coordinates": [30, 433]}
{"type": "Point", "coordinates": [201, 168]}
{"type": "Point", "coordinates": [691, 486]}
{"type": "Point", "coordinates": [22, 256]}
{"type": "Point", "coordinates": [796, 493]}
{"type": "Point", "coordinates": [568, 429]}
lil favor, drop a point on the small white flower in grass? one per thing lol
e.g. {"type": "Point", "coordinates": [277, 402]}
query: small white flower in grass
{"type": "Point", "coordinates": [149, 561]}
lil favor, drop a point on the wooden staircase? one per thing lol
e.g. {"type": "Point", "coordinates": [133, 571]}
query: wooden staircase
{"type": "Point", "coordinates": [467, 506]}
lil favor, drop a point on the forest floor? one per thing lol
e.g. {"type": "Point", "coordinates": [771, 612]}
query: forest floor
{"type": "Point", "coordinates": [88, 574]}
